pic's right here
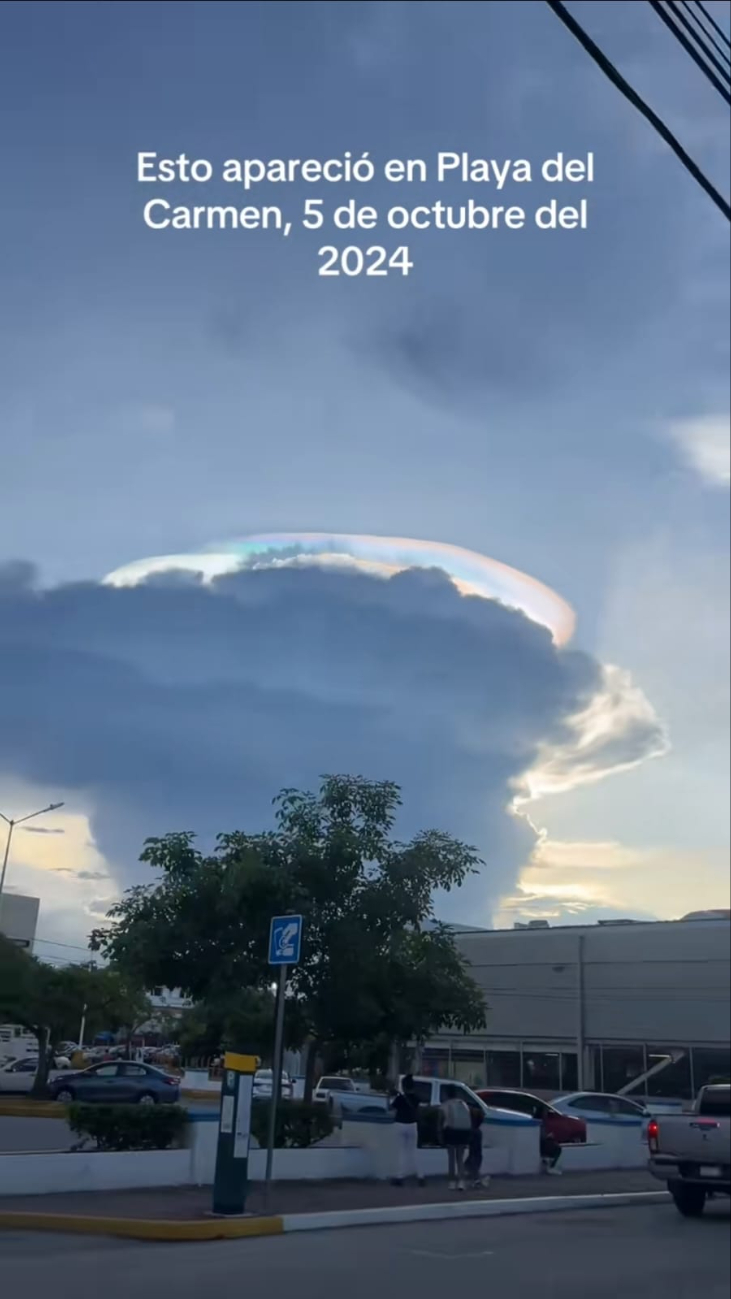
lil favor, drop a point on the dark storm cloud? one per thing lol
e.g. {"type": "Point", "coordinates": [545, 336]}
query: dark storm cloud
{"type": "Point", "coordinates": [175, 705]}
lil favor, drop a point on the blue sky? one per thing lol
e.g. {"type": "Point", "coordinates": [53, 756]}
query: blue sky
{"type": "Point", "coordinates": [558, 402]}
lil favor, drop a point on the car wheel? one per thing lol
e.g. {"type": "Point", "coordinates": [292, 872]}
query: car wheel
{"type": "Point", "coordinates": [147, 1098]}
{"type": "Point", "coordinates": [65, 1096]}
{"type": "Point", "coordinates": [689, 1200]}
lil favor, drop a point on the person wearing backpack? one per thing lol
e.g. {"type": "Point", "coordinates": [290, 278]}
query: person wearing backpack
{"type": "Point", "coordinates": [456, 1126]}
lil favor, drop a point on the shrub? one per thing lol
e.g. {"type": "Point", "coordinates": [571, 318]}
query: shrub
{"type": "Point", "coordinates": [298, 1124]}
{"type": "Point", "coordinates": [129, 1127]}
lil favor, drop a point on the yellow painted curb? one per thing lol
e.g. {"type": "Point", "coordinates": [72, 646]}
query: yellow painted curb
{"type": "Point", "coordinates": [213, 1097]}
{"type": "Point", "coordinates": [143, 1228]}
{"type": "Point", "coordinates": [32, 1110]}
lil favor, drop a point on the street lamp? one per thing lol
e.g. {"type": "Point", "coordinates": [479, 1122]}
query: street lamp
{"type": "Point", "coordinates": [11, 823]}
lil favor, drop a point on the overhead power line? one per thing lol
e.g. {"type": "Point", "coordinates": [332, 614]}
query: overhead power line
{"type": "Point", "coordinates": [714, 24]}
{"type": "Point", "coordinates": [708, 36]}
{"type": "Point", "coordinates": [668, 17]}
{"type": "Point", "coordinates": [637, 102]}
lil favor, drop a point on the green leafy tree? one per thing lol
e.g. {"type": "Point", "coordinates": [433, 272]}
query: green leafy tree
{"type": "Point", "coordinates": [49, 1001]}
{"type": "Point", "coordinates": [243, 1021]}
{"type": "Point", "coordinates": [375, 972]}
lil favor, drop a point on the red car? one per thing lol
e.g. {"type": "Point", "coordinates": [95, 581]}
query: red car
{"type": "Point", "coordinates": [565, 1130]}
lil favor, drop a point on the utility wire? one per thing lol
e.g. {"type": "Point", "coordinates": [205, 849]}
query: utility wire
{"type": "Point", "coordinates": [669, 20]}
{"type": "Point", "coordinates": [707, 36]}
{"type": "Point", "coordinates": [714, 24]}
{"type": "Point", "coordinates": [637, 102]}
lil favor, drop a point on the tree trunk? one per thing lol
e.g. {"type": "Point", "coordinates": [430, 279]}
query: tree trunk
{"type": "Point", "coordinates": [394, 1064]}
{"type": "Point", "coordinates": [40, 1081]}
{"type": "Point", "coordinates": [313, 1048]}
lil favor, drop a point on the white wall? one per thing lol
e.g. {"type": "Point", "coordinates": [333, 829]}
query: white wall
{"type": "Point", "coordinates": [665, 982]}
{"type": "Point", "coordinates": [512, 1151]}
{"type": "Point", "coordinates": [94, 1171]}
{"type": "Point", "coordinates": [19, 917]}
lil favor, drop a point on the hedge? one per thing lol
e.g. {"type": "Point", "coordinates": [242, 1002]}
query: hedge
{"type": "Point", "coordinates": [129, 1127]}
{"type": "Point", "coordinates": [298, 1124]}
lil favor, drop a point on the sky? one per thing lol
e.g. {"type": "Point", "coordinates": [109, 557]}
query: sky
{"type": "Point", "coordinates": [557, 402]}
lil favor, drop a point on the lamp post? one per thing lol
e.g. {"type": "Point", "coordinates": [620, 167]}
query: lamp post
{"type": "Point", "coordinates": [11, 823]}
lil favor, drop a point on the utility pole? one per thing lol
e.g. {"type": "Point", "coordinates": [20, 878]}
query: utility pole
{"type": "Point", "coordinates": [580, 1013]}
{"type": "Point", "coordinates": [11, 823]}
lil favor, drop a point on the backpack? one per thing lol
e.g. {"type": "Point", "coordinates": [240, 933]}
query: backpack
{"type": "Point", "coordinates": [457, 1116]}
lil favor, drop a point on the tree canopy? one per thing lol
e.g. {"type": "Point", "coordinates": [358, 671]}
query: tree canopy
{"type": "Point", "coordinates": [49, 1001]}
{"type": "Point", "coordinates": [375, 968]}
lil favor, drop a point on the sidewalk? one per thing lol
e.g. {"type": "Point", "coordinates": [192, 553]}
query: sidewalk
{"type": "Point", "coordinates": [189, 1203]}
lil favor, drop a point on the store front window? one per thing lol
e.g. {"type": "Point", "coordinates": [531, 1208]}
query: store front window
{"type": "Point", "coordinates": [569, 1072]}
{"type": "Point", "coordinates": [668, 1072]}
{"type": "Point", "coordinates": [503, 1069]}
{"type": "Point", "coordinates": [541, 1071]}
{"type": "Point", "coordinates": [711, 1064]}
{"type": "Point", "coordinates": [435, 1062]}
{"type": "Point", "coordinates": [622, 1066]}
{"type": "Point", "coordinates": [469, 1067]}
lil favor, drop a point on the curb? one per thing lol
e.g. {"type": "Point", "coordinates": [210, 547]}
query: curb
{"type": "Point", "coordinates": [238, 1228]}
{"type": "Point", "coordinates": [32, 1110]}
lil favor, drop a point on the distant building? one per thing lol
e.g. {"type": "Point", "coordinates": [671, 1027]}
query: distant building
{"type": "Point", "coordinates": [19, 918]}
{"type": "Point", "coordinates": [170, 999]}
{"type": "Point", "coordinates": [631, 1006]}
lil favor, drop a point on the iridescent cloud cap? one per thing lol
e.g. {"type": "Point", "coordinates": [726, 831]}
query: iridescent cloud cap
{"type": "Point", "coordinates": [472, 573]}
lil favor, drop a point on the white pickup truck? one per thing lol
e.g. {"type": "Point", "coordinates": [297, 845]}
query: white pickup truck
{"type": "Point", "coordinates": [692, 1152]}
{"type": "Point", "coordinates": [429, 1091]}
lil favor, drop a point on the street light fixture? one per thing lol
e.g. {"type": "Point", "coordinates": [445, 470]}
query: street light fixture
{"type": "Point", "coordinates": [11, 823]}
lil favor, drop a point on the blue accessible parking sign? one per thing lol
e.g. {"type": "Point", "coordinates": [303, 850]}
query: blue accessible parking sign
{"type": "Point", "coordinates": [285, 940]}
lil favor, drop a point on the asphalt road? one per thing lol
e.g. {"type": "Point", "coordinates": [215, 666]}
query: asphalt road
{"type": "Point", "coordinates": [638, 1253]}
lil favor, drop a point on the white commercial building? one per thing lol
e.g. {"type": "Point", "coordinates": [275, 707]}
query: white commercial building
{"type": "Point", "coordinates": [19, 918]}
{"type": "Point", "coordinates": [632, 1006]}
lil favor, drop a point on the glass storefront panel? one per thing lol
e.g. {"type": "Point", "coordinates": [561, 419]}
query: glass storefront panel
{"type": "Point", "coordinates": [541, 1071]}
{"type": "Point", "coordinates": [435, 1062]}
{"type": "Point", "coordinates": [594, 1081]}
{"type": "Point", "coordinates": [569, 1072]}
{"type": "Point", "coordinates": [668, 1069]}
{"type": "Point", "coordinates": [621, 1066]}
{"type": "Point", "coordinates": [503, 1069]}
{"type": "Point", "coordinates": [469, 1067]}
{"type": "Point", "coordinates": [711, 1064]}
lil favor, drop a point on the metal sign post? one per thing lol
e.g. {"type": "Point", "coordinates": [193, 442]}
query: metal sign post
{"type": "Point", "coordinates": [285, 943]}
{"type": "Point", "coordinates": [234, 1130]}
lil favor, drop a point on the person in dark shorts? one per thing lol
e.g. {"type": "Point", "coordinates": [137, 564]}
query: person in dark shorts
{"type": "Point", "coordinates": [456, 1124]}
{"type": "Point", "coordinates": [473, 1162]}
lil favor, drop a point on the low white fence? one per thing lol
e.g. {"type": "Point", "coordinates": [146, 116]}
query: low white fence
{"type": "Point", "coordinates": [365, 1150]}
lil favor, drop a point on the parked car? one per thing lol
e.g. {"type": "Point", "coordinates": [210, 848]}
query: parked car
{"type": "Point", "coordinates": [19, 1075]}
{"type": "Point", "coordinates": [430, 1092]}
{"type": "Point", "coordinates": [264, 1082]}
{"type": "Point", "coordinates": [120, 1082]}
{"type": "Point", "coordinates": [692, 1152]}
{"type": "Point", "coordinates": [332, 1083]}
{"type": "Point", "coordinates": [564, 1128]}
{"type": "Point", "coordinates": [599, 1105]}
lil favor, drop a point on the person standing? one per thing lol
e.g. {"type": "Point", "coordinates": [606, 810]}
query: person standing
{"type": "Point", "coordinates": [551, 1152]}
{"type": "Point", "coordinates": [456, 1125]}
{"type": "Point", "coordinates": [405, 1106]}
{"type": "Point", "coordinates": [473, 1162]}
